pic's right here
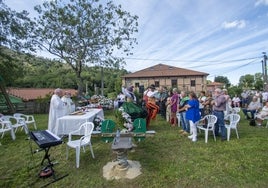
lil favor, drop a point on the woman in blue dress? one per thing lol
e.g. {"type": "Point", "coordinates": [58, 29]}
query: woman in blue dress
{"type": "Point", "coordinates": [193, 115]}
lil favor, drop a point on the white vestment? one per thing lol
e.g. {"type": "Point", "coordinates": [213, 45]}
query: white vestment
{"type": "Point", "coordinates": [56, 110]}
{"type": "Point", "coordinates": [69, 105]}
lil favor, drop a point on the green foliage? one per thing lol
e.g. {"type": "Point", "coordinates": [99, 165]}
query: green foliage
{"type": "Point", "coordinates": [112, 95]}
{"type": "Point", "coordinates": [118, 117]}
{"type": "Point", "coordinates": [7, 65]}
{"type": "Point", "coordinates": [15, 29]}
{"type": "Point", "coordinates": [235, 90]}
{"type": "Point", "coordinates": [258, 81]}
{"type": "Point", "coordinates": [111, 77]}
{"type": "Point", "coordinates": [249, 81]}
{"type": "Point", "coordinates": [246, 81]}
{"type": "Point", "coordinates": [14, 34]}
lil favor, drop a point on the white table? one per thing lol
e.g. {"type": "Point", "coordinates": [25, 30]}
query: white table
{"type": "Point", "coordinates": [69, 123]}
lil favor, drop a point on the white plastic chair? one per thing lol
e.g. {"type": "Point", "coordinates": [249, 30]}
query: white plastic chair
{"type": "Point", "coordinates": [266, 118]}
{"type": "Point", "coordinates": [16, 122]}
{"type": "Point", "coordinates": [86, 130]}
{"type": "Point", "coordinates": [208, 125]}
{"type": "Point", "coordinates": [233, 121]}
{"type": "Point", "coordinates": [29, 119]}
{"type": "Point", "coordinates": [5, 126]}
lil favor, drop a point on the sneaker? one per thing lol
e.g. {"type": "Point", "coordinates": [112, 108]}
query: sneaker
{"type": "Point", "coordinates": [181, 131]}
{"type": "Point", "coordinates": [190, 137]}
{"type": "Point", "coordinates": [184, 133]}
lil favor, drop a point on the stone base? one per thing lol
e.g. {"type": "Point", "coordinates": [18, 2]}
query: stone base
{"type": "Point", "coordinates": [111, 170]}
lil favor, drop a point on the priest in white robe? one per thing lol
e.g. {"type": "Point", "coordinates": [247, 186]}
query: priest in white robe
{"type": "Point", "coordinates": [56, 109]}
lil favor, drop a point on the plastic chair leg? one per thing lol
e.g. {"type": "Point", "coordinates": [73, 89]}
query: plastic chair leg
{"type": "Point", "coordinates": [91, 150]}
{"type": "Point", "coordinates": [206, 136]}
{"type": "Point", "coordinates": [77, 156]}
{"type": "Point", "coordinates": [35, 126]}
{"type": "Point", "coordinates": [237, 133]}
{"type": "Point", "coordinates": [214, 136]}
{"type": "Point", "coordinates": [228, 133]}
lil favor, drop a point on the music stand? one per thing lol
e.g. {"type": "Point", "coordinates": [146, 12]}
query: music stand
{"type": "Point", "coordinates": [45, 140]}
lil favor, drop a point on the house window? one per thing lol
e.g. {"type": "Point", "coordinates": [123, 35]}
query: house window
{"type": "Point", "coordinates": [192, 83]}
{"type": "Point", "coordinates": [137, 85]}
{"type": "Point", "coordinates": [156, 83]}
{"type": "Point", "coordinates": [174, 83]}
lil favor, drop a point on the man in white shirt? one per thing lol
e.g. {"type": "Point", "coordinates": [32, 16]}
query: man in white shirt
{"type": "Point", "coordinates": [253, 107]}
{"type": "Point", "coordinates": [151, 92]}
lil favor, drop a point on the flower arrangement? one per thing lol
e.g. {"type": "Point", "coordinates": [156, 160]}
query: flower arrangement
{"type": "Point", "coordinates": [124, 118]}
{"type": "Point", "coordinates": [102, 101]}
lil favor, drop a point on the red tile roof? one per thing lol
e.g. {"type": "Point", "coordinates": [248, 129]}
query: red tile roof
{"type": "Point", "coordinates": [215, 84]}
{"type": "Point", "coordinates": [162, 70]}
{"type": "Point", "coordinates": [28, 94]}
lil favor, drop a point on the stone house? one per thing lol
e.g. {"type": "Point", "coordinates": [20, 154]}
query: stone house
{"type": "Point", "coordinates": [168, 76]}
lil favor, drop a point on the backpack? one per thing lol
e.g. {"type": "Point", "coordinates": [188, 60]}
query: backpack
{"type": "Point", "coordinates": [252, 122]}
{"type": "Point", "coordinates": [134, 110]}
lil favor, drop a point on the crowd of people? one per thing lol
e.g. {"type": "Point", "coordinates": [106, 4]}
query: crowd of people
{"type": "Point", "coordinates": [177, 107]}
{"type": "Point", "coordinates": [187, 108]}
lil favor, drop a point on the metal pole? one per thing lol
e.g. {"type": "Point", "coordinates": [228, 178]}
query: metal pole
{"type": "Point", "coordinates": [102, 82]}
{"type": "Point", "coordinates": [263, 76]}
{"type": "Point", "coordinates": [265, 69]}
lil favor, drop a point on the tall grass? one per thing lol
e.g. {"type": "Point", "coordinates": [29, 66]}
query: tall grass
{"type": "Point", "coordinates": [168, 160]}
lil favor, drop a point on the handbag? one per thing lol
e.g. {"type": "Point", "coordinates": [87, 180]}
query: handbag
{"type": "Point", "coordinates": [252, 122]}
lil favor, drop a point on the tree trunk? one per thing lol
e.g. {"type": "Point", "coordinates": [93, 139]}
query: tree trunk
{"type": "Point", "coordinates": [80, 86]}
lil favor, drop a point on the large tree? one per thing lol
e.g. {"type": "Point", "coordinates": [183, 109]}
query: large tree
{"type": "Point", "coordinates": [85, 32]}
{"type": "Point", "coordinates": [246, 81]}
{"type": "Point", "coordinates": [249, 81]}
{"type": "Point", "coordinates": [258, 81]}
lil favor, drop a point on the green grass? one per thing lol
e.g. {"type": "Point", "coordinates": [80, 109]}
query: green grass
{"type": "Point", "coordinates": [167, 160]}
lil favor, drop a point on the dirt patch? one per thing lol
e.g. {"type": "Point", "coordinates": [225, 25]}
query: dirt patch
{"type": "Point", "coordinates": [111, 170]}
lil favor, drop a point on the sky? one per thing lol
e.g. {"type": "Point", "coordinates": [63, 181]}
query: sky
{"type": "Point", "coordinates": [218, 37]}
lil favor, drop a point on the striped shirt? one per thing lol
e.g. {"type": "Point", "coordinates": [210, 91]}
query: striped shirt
{"type": "Point", "coordinates": [220, 103]}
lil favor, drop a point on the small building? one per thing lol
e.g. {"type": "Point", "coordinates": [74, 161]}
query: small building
{"type": "Point", "coordinates": [213, 85]}
{"type": "Point", "coordinates": [168, 76]}
{"type": "Point", "coordinates": [28, 94]}
{"type": "Point", "coordinates": [33, 100]}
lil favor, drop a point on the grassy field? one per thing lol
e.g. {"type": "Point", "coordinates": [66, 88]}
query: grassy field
{"type": "Point", "coordinates": [167, 160]}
